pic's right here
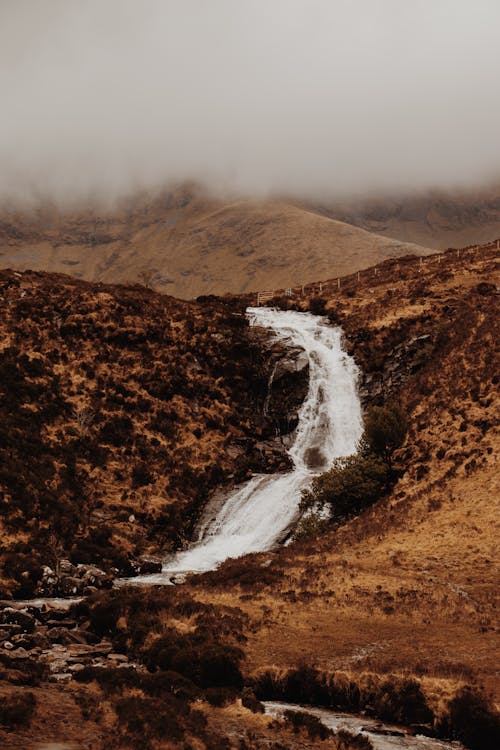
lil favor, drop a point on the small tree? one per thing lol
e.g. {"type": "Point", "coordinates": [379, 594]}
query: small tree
{"type": "Point", "coordinates": [350, 485]}
{"type": "Point", "coordinates": [385, 431]}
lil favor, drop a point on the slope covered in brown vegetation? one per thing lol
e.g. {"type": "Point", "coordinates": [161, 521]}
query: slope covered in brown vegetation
{"type": "Point", "coordinates": [392, 612]}
{"type": "Point", "coordinates": [410, 586]}
{"type": "Point", "coordinates": [186, 243]}
{"type": "Point", "coordinates": [121, 411]}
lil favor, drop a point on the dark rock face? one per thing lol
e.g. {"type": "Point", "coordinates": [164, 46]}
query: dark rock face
{"type": "Point", "coordinates": [403, 361]}
{"type": "Point", "coordinates": [287, 389]}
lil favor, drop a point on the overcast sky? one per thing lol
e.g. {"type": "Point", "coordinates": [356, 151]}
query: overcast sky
{"type": "Point", "coordinates": [310, 97]}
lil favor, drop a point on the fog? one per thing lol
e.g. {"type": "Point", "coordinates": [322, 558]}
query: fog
{"type": "Point", "coordinates": [304, 97]}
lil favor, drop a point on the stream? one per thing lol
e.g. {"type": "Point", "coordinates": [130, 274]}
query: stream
{"type": "Point", "coordinates": [382, 736]}
{"type": "Point", "coordinates": [257, 515]}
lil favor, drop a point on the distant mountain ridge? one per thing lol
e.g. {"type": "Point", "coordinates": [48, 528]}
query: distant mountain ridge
{"type": "Point", "coordinates": [436, 219]}
{"type": "Point", "coordinates": [187, 243]}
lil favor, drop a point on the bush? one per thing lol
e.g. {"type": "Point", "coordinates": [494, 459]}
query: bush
{"type": "Point", "coordinates": [353, 483]}
{"type": "Point", "coordinates": [17, 709]}
{"type": "Point", "coordinates": [385, 430]}
{"type": "Point", "coordinates": [314, 727]}
{"type": "Point", "coordinates": [473, 720]}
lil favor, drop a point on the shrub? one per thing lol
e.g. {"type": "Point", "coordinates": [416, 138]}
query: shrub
{"type": "Point", "coordinates": [385, 430]}
{"type": "Point", "coordinates": [350, 485]}
{"type": "Point", "coordinates": [17, 709]}
{"type": "Point", "coordinates": [473, 720]}
{"type": "Point", "coordinates": [314, 727]}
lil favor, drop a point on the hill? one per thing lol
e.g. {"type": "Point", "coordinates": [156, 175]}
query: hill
{"type": "Point", "coordinates": [122, 410]}
{"type": "Point", "coordinates": [186, 243]}
{"type": "Point", "coordinates": [391, 612]}
{"type": "Point", "coordinates": [436, 219]}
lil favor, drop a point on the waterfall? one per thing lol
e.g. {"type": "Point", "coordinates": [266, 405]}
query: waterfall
{"type": "Point", "coordinates": [255, 516]}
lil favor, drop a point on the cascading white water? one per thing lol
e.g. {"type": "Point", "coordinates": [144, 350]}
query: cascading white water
{"type": "Point", "coordinates": [254, 517]}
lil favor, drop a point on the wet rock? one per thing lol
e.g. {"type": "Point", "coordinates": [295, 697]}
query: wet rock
{"type": "Point", "coordinates": [67, 568]}
{"type": "Point", "coordinates": [11, 616]}
{"type": "Point", "coordinates": [97, 577]}
{"type": "Point", "coordinates": [146, 565]}
{"type": "Point", "coordinates": [31, 641]}
{"type": "Point", "coordinates": [70, 586]}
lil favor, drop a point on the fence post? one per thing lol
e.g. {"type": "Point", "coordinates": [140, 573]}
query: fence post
{"type": "Point", "coordinates": [358, 276]}
{"type": "Point", "coordinates": [338, 283]}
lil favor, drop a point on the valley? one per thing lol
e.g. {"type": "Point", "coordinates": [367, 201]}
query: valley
{"type": "Point", "coordinates": [391, 612]}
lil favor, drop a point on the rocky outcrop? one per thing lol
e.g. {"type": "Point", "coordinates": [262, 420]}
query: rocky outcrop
{"type": "Point", "coordinates": [72, 580]}
{"type": "Point", "coordinates": [45, 636]}
{"type": "Point", "coordinates": [397, 366]}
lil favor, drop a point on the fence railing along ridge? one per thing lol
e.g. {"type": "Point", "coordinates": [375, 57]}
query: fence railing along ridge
{"type": "Point", "coordinates": [373, 271]}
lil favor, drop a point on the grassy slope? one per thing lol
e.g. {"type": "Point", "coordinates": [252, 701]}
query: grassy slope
{"type": "Point", "coordinates": [187, 244]}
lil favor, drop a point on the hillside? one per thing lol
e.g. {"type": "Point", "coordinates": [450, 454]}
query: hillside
{"type": "Point", "coordinates": [410, 587]}
{"type": "Point", "coordinates": [392, 613]}
{"type": "Point", "coordinates": [122, 410]}
{"type": "Point", "coordinates": [436, 219]}
{"type": "Point", "coordinates": [186, 243]}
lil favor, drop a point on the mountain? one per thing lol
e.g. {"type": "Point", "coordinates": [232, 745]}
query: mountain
{"type": "Point", "coordinates": [186, 243]}
{"type": "Point", "coordinates": [435, 219]}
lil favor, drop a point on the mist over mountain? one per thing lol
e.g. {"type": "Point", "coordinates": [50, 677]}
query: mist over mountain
{"type": "Point", "coordinates": [311, 99]}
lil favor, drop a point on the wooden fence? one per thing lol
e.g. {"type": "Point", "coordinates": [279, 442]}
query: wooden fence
{"type": "Point", "coordinates": [391, 263]}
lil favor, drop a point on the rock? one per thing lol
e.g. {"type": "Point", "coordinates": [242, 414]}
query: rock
{"type": "Point", "coordinates": [31, 641]}
{"type": "Point", "coordinates": [9, 616]}
{"type": "Point", "coordinates": [7, 630]}
{"type": "Point", "coordinates": [70, 586]}
{"type": "Point", "coordinates": [19, 654]}
{"type": "Point", "coordinates": [58, 635]}
{"type": "Point", "coordinates": [145, 566]}
{"type": "Point", "coordinates": [89, 590]}
{"type": "Point", "coordinates": [8, 645]}
{"type": "Point", "coordinates": [60, 677]}
{"type": "Point", "coordinates": [118, 658]}
{"type": "Point", "coordinates": [67, 568]}
{"type": "Point", "coordinates": [97, 577]}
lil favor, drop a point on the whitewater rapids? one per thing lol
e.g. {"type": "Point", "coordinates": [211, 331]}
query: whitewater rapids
{"type": "Point", "coordinates": [255, 516]}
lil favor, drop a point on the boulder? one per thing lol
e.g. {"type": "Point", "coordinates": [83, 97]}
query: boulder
{"type": "Point", "coordinates": [67, 568]}
{"type": "Point", "coordinates": [97, 577]}
{"type": "Point", "coordinates": [70, 586]}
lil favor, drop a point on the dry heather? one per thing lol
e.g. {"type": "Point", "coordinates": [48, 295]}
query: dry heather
{"type": "Point", "coordinates": [121, 411]}
{"type": "Point", "coordinates": [186, 243]}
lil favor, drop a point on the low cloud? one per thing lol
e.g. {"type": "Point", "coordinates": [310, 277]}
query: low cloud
{"type": "Point", "coordinates": [306, 97]}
